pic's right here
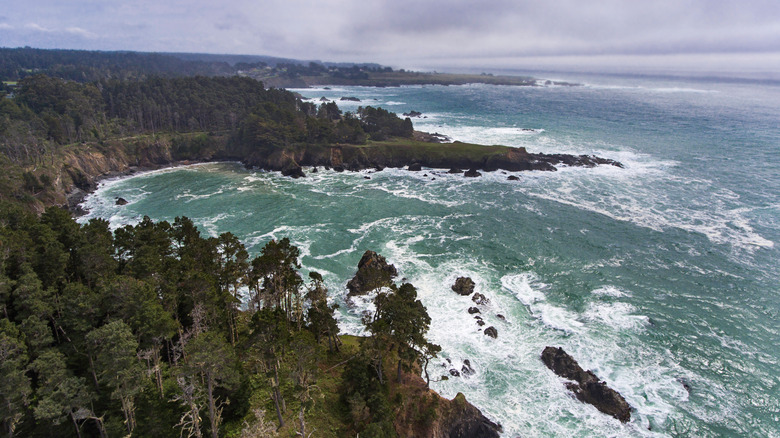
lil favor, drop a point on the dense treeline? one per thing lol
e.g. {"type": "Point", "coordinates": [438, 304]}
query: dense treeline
{"type": "Point", "coordinates": [155, 330]}
{"type": "Point", "coordinates": [91, 66]}
{"type": "Point", "coordinates": [46, 113]}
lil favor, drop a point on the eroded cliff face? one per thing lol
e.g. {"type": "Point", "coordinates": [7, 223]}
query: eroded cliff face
{"type": "Point", "coordinates": [82, 167]}
{"type": "Point", "coordinates": [426, 414]}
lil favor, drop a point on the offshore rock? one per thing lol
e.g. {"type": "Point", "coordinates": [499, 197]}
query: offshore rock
{"type": "Point", "coordinates": [454, 170]}
{"type": "Point", "coordinates": [415, 167]}
{"type": "Point", "coordinates": [466, 369]}
{"type": "Point", "coordinates": [586, 386]}
{"type": "Point", "coordinates": [463, 286]}
{"type": "Point", "coordinates": [492, 332]}
{"type": "Point", "coordinates": [473, 310]}
{"type": "Point", "coordinates": [472, 173]}
{"type": "Point", "coordinates": [480, 299]}
{"type": "Point", "coordinates": [513, 178]}
{"type": "Point", "coordinates": [373, 273]}
{"type": "Point", "coordinates": [121, 201]}
{"type": "Point", "coordinates": [293, 171]}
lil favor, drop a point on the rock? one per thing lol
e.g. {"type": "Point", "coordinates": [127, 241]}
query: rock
{"type": "Point", "coordinates": [366, 177]}
{"type": "Point", "coordinates": [466, 369]}
{"type": "Point", "coordinates": [472, 173]}
{"type": "Point", "coordinates": [586, 386]}
{"type": "Point", "coordinates": [480, 299]}
{"type": "Point", "coordinates": [454, 170]}
{"type": "Point", "coordinates": [461, 419]}
{"type": "Point", "coordinates": [121, 201]}
{"type": "Point", "coordinates": [480, 322]}
{"type": "Point", "coordinates": [473, 310]}
{"type": "Point", "coordinates": [415, 167]}
{"type": "Point", "coordinates": [373, 273]}
{"type": "Point", "coordinates": [293, 171]}
{"type": "Point", "coordinates": [323, 99]}
{"type": "Point", "coordinates": [350, 99]}
{"type": "Point", "coordinates": [314, 169]}
{"type": "Point", "coordinates": [501, 317]}
{"type": "Point", "coordinates": [338, 168]}
{"type": "Point", "coordinates": [513, 178]}
{"type": "Point", "coordinates": [492, 332]}
{"type": "Point", "coordinates": [463, 286]}
{"type": "Point", "coordinates": [413, 114]}
{"type": "Point", "coordinates": [454, 373]}
{"type": "Point", "coordinates": [477, 317]}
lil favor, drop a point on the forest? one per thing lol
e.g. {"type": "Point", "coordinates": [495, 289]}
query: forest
{"type": "Point", "coordinates": [46, 117]}
{"type": "Point", "coordinates": [155, 330]}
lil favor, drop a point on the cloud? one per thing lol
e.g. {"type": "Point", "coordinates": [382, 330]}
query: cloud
{"type": "Point", "coordinates": [405, 32]}
{"type": "Point", "coordinates": [6, 26]}
{"type": "Point", "coordinates": [37, 27]}
{"type": "Point", "coordinates": [80, 32]}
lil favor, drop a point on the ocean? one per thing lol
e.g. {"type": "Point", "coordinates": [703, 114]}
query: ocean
{"type": "Point", "coordinates": [662, 277]}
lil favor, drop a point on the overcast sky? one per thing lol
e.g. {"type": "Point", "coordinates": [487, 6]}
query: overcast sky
{"type": "Point", "coordinates": [405, 33]}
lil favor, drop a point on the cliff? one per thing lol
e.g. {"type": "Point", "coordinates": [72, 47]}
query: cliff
{"type": "Point", "coordinates": [76, 169]}
{"type": "Point", "coordinates": [426, 414]}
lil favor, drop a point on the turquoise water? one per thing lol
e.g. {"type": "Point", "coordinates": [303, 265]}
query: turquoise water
{"type": "Point", "coordinates": [661, 277]}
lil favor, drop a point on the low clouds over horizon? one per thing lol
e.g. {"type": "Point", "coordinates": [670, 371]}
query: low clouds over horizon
{"type": "Point", "coordinates": [400, 33]}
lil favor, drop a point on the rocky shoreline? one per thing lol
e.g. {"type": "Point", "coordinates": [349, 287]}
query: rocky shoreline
{"type": "Point", "coordinates": [85, 171]}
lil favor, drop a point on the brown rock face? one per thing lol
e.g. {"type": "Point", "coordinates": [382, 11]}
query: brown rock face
{"type": "Point", "coordinates": [373, 272]}
{"type": "Point", "coordinates": [463, 286]}
{"type": "Point", "coordinates": [586, 386]}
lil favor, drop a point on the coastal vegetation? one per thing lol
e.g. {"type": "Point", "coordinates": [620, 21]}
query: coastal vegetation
{"type": "Point", "coordinates": [90, 66]}
{"type": "Point", "coordinates": [58, 135]}
{"type": "Point", "coordinates": [155, 330]}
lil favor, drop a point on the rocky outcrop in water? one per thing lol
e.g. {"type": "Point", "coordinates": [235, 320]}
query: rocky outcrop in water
{"type": "Point", "coordinates": [373, 273]}
{"type": "Point", "coordinates": [586, 386]}
{"type": "Point", "coordinates": [121, 201]}
{"type": "Point", "coordinates": [463, 286]}
{"type": "Point", "coordinates": [480, 299]}
{"type": "Point", "coordinates": [472, 173]}
{"type": "Point", "coordinates": [293, 171]}
{"type": "Point", "coordinates": [492, 332]}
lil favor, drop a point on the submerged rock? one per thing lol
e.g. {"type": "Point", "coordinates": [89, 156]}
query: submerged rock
{"type": "Point", "coordinates": [373, 273]}
{"type": "Point", "coordinates": [463, 286]}
{"type": "Point", "coordinates": [586, 386]}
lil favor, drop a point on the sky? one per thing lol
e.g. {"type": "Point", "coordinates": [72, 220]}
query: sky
{"type": "Point", "coordinates": [426, 34]}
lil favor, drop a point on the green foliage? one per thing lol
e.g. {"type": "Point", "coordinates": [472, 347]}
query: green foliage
{"type": "Point", "coordinates": [381, 124]}
{"type": "Point", "coordinates": [144, 332]}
